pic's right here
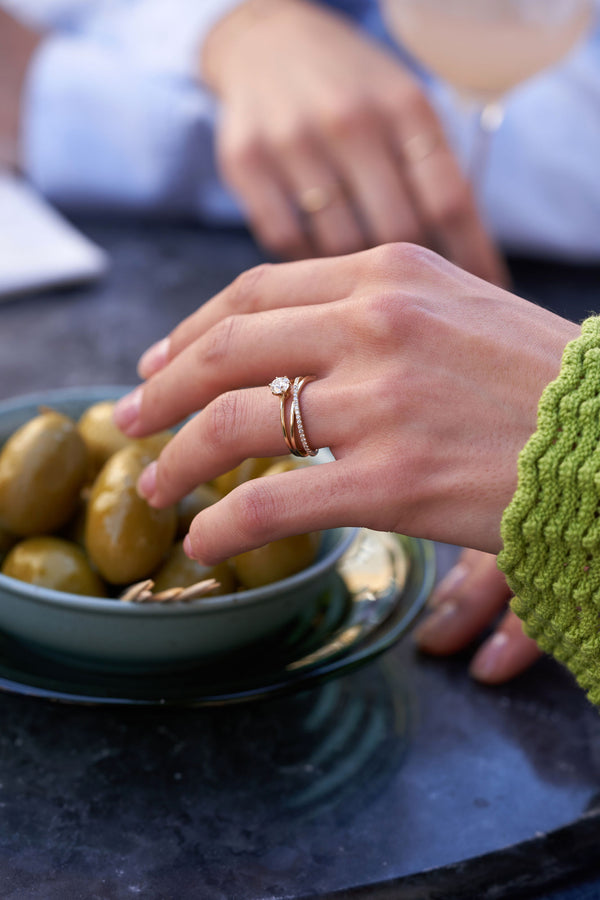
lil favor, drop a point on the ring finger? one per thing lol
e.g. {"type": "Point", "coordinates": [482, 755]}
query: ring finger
{"type": "Point", "coordinates": [322, 199]}
{"type": "Point", "coordinates": [238, 352]}
{"type": "Point", "coordinates": [238, 425]}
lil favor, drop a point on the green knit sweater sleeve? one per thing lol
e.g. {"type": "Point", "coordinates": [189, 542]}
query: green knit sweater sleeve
{"type": "Point", "coordinates": [551, 529]}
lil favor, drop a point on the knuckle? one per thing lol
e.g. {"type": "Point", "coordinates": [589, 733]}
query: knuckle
{"type": "Point", "coordinates": [224, 422]}
{"type": "Point", "coordinates": [219, 340]}
{"type": "Point", "coordinates": [291, 138]}
{"type": "Point", "coordinates": [346, 117]}
{"type": "Point", "coordinates": [401, 258]}
{"type": "Point", "coordinates": [383, 314]}
{"type": "Point", "coordinates": [244, 293]}
{"type": "Point", "coordinates": [255, 510]}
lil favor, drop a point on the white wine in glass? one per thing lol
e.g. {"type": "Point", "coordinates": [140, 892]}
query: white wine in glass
{"type": "Point", "coordinates": [484, 48]}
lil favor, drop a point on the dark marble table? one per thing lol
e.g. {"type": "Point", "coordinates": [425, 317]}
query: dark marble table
{"type": "Point", "coordinates": [403, 779]}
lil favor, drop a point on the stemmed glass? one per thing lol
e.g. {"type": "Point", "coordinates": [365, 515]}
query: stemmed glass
{"type": "Point", "coordinates": [485, 48]}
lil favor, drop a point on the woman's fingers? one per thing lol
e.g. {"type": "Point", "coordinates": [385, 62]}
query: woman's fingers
{"type": "Point", "coordinates": [465, 603]}
{"type": "Point", "coordinates": [441, 193]}
{"type": "Point", "coordinates": [239, 425]}
{"type": "Point", "coordinates": [238, 352]}
{"type": "Point", "coordinates": [322, 197]}
{"type": "Point", "coordinates": [264, 287]}
{"type": "Point", "coordinates": [311, 498]}
{"type": "Point", "coordinates": [506, 654]}
{"type": "Point", "coordinates": [253, 173]}
{"type": "Point", "coordinates": [361, 148]}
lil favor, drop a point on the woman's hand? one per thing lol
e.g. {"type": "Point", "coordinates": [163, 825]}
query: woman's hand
{"type": "Point", "coordinates": [466, 602]}
{"type": "Point", "coordinates": [427, 384]}
{"type": "Point", "coordinates": [330, 143]}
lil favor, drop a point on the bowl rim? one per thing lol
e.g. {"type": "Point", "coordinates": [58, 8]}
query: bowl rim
{"type": "Point", "coordinates": [221, 603]}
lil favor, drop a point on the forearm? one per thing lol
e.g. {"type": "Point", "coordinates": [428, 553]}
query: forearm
{"type": "Point", "coordinates": [17, 46]}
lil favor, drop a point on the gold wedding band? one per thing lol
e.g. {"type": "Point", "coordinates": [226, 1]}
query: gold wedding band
{"type": "Point", "coordinates": [293, 432]}
{"type": "Point", "coordinates": [420, 146]}
{"type": "Point", "coordinates": [315, 199]}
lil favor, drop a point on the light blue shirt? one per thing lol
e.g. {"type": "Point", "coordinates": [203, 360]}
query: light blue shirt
{"type": "Point", "coordinates": [116, 118]}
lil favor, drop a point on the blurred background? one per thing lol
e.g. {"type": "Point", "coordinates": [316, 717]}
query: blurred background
{"type": "Point", "coordinates": [325, 127]}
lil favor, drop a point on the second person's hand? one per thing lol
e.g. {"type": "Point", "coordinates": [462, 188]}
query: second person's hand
{"type": "Point", "coordinates": [467, 601]}
{"type": "Point", "coordinates": [331, 144]}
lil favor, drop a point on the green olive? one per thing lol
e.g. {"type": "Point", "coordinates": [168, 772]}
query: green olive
{"type": "Point", "coordinates": [126, 539]}
{"type": "Point", "coordinates": [43, 466]}
{"type": "Point", "coordinates": [53, 563]}
{"type": "Point", "coordinates": [179, 570]}
{"type": "Point", "coordinates": [276, 560]}
{"type": "Point", "coordinates": [101, 435]}
{"type": "Point", "coordinates": [248, 469]}
{"type": "Point", "coordinates": [188, 508]}
{"type": "Point", "coordinates": [103, 439]}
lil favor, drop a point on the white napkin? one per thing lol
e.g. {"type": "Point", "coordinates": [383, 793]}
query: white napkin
{"type": "Point", "coordinates": [38, 247]}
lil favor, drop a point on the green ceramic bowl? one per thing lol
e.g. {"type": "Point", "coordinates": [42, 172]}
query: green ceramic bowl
{"type": "Point", "coordinates": [111, 635]}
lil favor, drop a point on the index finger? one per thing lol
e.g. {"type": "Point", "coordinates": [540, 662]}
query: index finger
{"type": "Point", "coordinates": [264, 287]}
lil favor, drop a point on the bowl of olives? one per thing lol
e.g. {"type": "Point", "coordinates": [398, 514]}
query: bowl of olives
{"type": "Point", "coordinates": [91, 575]}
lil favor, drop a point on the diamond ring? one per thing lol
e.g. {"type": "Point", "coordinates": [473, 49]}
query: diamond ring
{"type": "Point", "coordinates": [294, 434]}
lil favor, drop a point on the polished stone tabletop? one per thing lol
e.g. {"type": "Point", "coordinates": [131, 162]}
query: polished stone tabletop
{"type": "Point", "coordinates": [403, 779]}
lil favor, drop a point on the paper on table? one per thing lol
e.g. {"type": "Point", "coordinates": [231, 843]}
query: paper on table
{"type": "Point", "coordinates": [38, 247]}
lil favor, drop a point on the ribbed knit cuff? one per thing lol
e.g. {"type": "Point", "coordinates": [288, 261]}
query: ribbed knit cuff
{"type": "Point", "coordinates": [551, 529]}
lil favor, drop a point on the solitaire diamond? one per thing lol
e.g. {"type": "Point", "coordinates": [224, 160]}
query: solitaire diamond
{"type": "Point", "coordinates": [280, 385]}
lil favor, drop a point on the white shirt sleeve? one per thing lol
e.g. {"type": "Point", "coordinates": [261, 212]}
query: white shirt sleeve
{"type": "Point", "coordinates": [114, 116]}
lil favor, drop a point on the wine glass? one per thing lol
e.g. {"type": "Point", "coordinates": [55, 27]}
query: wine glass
{"type": "Point", "coordinates": [485, 48]}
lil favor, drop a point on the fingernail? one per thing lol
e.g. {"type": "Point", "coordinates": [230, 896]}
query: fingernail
{"type": "Point", "coordinates": [448, 585]}
{"type": "Point", "coordinates": [487, 660]}
{"type": "Point", "coordinates": [154, 359]}
{"type": "Point", "coordinates": [146, 486]}
{"type": "Point", "coordinates": [436, 625]}
{"type": "Point", "coordinates": [127, 409]}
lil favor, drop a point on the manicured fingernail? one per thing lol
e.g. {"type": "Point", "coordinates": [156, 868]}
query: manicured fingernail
{"type": "Point", "coordinates": [448, 585]}
{"type": "Point", "coordinates": [187, 547]}
{"type": "Point", "coordinates": [154, 359]}
{"type": "Point", "coordinates": [489, 657]}
{"type": "Point", "coordinates": [146, 486]}
{"type": "Point", "coordinates": [436, 625]}
{"type": "Point", "coordinates": [127, 409]}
